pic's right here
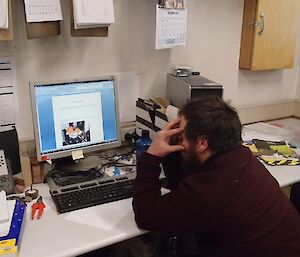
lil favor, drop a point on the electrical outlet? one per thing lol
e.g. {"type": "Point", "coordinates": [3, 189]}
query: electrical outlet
{"type": "Point", "coordinates": [128, 127]}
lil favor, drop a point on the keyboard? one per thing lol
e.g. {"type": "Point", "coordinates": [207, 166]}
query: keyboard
{"type": "Point", "coordinates": [91, 194]}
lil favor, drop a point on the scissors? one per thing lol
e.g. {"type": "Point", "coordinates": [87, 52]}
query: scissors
{"type": "Point", "coordinates": [38, 206]}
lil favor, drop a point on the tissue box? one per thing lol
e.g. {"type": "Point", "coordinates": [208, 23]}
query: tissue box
{"type": "Point", "coordinates": [10, 244]}
{"type": "Point", "coordinates": [147, 117]}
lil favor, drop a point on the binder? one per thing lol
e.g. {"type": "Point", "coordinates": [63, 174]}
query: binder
{"type": "Point", "coordinates": [10, 244]}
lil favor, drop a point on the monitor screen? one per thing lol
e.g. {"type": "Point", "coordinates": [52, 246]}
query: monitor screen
{"type": "Point", "coordinates": [75, 115]}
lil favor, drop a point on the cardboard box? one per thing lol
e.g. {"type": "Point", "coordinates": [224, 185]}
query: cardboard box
{"type": "Point", "coordinates": [149, 118]}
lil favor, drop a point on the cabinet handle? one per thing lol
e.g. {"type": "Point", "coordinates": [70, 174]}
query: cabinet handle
{"type": "Point", "coordinates": [261, 24]}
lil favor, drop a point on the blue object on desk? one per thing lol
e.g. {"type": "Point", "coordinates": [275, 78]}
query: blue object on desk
{"type": "Point", "coordinates": [143, 143]}
{"type": "Point", "coordinates": [9, 245]}
{"type": "Point", "coordinates": [116, 171]}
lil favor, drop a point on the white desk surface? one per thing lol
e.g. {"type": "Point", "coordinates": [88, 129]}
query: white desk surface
{"type": "Point", "coordinates": [285, 175]}
{"type": "Point", "coordinates": [61, 235]}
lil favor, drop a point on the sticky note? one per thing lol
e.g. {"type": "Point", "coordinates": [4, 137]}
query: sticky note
{"type": "Point", "coordinates": [77, 154]}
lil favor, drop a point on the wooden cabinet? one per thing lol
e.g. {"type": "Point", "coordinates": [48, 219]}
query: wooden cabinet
{"type": "Point", "coordinates": [269, 34]}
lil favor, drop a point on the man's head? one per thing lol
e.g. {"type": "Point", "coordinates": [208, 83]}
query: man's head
{"type": "Point", "coordinates": [210, 126]}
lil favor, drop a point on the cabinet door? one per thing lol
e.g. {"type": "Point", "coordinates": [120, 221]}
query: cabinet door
{"type": "Point", "coordinates": [273, 34]}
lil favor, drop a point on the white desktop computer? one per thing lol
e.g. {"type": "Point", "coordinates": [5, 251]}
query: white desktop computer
{"type": "Point", "coordinates": [79, 116]}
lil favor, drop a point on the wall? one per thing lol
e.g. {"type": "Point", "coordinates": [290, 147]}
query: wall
{"type": "Point", "coordinates": [213, 42]}
{"type": "Point", "coordinates": [213, 49]}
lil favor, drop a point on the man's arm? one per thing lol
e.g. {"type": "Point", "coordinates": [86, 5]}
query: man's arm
{"type": "Point", "coordinates": [172, 167]}
{"type": "Point", "coordinates": [174, 211]}
{"type": "Point", "coordinates": [171, 213]}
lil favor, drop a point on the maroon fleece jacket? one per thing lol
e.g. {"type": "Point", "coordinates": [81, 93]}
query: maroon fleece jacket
{"type": "Point", "coordinates": [231, 202]}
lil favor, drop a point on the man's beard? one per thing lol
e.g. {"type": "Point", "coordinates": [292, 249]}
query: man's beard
{"type": "Point", "coordinates": [190, 160]}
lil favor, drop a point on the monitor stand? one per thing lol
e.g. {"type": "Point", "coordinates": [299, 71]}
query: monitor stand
{"type": "Point", "coordinates": [65, 171]}
{"type": "Point", "coordinates": [84, 164]}
{"type": "Point", "coordinates": [65, 168]}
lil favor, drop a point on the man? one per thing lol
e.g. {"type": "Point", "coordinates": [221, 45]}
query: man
{"type": "Point", "coordinates": [219, 190]}
{"type": "Point", "coordinates": [295, 196]}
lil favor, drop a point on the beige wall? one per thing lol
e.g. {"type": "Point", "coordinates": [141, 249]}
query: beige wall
{"type": "Point", "coordinates": [213, 42]}
{"type": "Point", "coordinates": [213, 48]}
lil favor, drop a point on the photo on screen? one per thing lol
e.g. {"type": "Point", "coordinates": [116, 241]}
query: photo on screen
{"type": "Point", "coordinates": [75, 132]}
{"type": "Point", "coordinates": [84, 111]}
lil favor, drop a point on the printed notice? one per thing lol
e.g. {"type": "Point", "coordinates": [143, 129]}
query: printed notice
{"type": "Point", "coordinates": [8, 94]}
{"type": "Point", "coordinates": [43, 10]}
{"type": "Point", "coordinates": [171, 21]}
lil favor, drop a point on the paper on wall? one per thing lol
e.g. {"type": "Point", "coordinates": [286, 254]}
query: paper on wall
{"type": "Point", "coordinates": [3, 14]}
{"type": "Point", "coordinates": [128, 87]}
{"type": "Point", "coordinates": [43, 10]}
{"type": "Point", "coordinates": [93, 13]}
{"type": "Point", "coordinates": [8, 94]}
{"type": "Point", "coordinates": [170, 27]}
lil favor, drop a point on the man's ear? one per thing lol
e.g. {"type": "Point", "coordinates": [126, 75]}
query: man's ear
{"type": "Point", "coordinates": [202, 144]}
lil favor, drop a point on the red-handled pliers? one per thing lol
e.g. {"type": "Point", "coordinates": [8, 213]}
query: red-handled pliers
{"type": "Point", "coordinates": [38, 206]}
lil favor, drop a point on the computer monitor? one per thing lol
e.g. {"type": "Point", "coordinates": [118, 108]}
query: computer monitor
{"type": "Point", "coordinates": [75, 115]}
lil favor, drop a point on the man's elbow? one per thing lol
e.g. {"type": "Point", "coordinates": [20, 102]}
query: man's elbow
{"type": "Point", "coordinates": [143, 222]}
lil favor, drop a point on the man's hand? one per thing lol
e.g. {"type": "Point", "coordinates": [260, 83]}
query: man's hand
{"type": "Point", "coordinates": [161, 145]}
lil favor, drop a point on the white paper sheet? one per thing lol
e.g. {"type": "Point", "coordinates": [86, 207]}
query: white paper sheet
{"type": "Point", "coordinates": [3, 14]}
{"type": "Point", "coordinates": [43, 10]}
{"type": "Point", "coordinates": [93, 13]}
{"type": "Point", "coordinates": [264, 131]}
{"type": "Point", "coordinates": [170, 27]}
{"type": "Point", "coordinates": [5, 226]}
{"type": "Point", "coordinates": [128, 86]}
{"type": "Point", "coordinates": [8, 94]}
{"type": "Point", "coordinates": [100, 217]}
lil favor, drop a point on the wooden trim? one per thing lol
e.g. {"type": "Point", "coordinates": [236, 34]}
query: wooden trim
{"type": "Point", "coordinates": [42, 29]}
{"type": "Point", "coordinates": [267, 112]}
{"type": "Point", "coordinates": [248, 29]}
{"type": "Point", "coordinates": [297, 109]}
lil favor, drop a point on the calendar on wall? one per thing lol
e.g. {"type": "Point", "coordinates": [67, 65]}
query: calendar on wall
{"type": "Point", "coordinates": [171, 18]}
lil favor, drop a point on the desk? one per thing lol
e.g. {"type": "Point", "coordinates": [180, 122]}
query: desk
{"type": "Point", "coordinates": [285, 175]}
{"type": "Point", "coordinates": [59, 236]}
{"type": "Point", "coordinates": [55, 236]}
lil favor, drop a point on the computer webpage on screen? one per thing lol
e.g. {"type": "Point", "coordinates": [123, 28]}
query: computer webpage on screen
{"type": "Point", "coordinates": [75, 115]}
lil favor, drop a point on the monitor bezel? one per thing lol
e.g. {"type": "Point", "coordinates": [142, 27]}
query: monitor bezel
{"type": "Point", "coordinates": [85, 149]}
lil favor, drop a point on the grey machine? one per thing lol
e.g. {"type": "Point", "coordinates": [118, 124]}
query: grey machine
{"type": "Point", "coordinates": [182, 89]}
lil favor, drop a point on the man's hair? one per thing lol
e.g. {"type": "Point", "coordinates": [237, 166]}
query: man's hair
{"type": "Point", "coordinates": [216, 120]}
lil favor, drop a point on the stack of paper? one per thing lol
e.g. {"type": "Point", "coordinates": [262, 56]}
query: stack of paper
{"type": "Point", "coordinates": [273, 153]}
{"type": "Point", "coordinates": [93, 13]}
{"type": "Point", "coordinates": [43, 10]}
{"type": "Point", "coordinates": [3, 14]}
